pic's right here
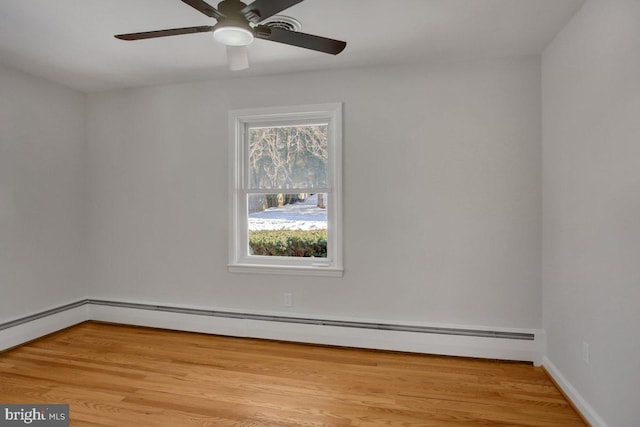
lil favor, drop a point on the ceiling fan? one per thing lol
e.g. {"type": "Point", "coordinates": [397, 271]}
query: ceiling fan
{"type": "Point", "coordinates": [238, 24]}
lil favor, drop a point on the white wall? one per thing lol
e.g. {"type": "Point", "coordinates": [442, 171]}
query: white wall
{"type": "Point", "coordinates": [42, 213]}
{"type": "Point", "coordinates": [591, 215]}
{"type": "Point", "coordinates": [442, 194]}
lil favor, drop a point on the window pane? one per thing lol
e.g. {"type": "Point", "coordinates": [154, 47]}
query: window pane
{"type": "Point", "coordinates": [292, 225]}
{"type": "Point", "coordinates": [288, 157]}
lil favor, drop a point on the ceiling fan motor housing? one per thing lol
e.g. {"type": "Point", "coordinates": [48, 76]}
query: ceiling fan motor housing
{"type": "Point", "coordinates": [233, 28]}
{"type": "Point", "coordinates": [232, 11]}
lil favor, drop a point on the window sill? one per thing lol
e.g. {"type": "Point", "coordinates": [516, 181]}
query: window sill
{"type": "Point", "coordinates": [286, 270]}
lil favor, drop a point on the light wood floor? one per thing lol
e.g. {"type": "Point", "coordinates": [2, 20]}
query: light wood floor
{"type": "Point", "coordinates": [127, 376]}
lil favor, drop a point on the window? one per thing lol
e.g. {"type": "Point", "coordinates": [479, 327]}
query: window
{"type": "Point", "coordinates": [285, 190]}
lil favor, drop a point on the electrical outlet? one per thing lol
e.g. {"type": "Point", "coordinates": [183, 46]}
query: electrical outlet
{"type": "Point", "coordinates": [585, 352]}
{"type": "Point", "coordinates": [288, 299]}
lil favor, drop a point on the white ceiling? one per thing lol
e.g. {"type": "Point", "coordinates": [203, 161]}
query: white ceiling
{"type": "Point", "coordinates": [71, 41]}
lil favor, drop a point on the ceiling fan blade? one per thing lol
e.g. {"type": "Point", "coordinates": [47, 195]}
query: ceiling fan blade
{"type": "Point", "coordinates": [260, 10]}
{"type": "Point", "coordinates": [294, 38]}
{"type": "Point", "coordinates": [238, 58]}
{"type": "Point", "coordinates": [205, 8]}
{"type": "Point", "coordinates": [164, 33]}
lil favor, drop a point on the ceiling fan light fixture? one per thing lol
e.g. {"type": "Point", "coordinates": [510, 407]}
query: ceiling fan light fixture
{"type": "Point", "coordinates": [233, 35]}
{"type": "Point", "coordinates": [238, 58]}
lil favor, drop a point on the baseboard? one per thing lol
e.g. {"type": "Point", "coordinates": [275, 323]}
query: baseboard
{"type": "Point", "coordinates": [452, 340]}
{"type": "Point", "coordinates": [581, 405]}
{"type": "Point", "coordinates": [37, 325]}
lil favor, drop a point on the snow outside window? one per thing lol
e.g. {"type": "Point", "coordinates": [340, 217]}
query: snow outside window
{"type": "Point", "coordinates": [285, 190]}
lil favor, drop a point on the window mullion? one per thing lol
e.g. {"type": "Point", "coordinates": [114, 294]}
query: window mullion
{"type": "Point", "coordinates": [285, 190]}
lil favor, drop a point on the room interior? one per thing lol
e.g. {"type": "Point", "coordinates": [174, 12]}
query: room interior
{"type": "Point", "coordinates": [490, 170]}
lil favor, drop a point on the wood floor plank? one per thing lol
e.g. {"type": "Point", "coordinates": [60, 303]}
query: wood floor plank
{"type": "Point", "coordinates": [116, 375]}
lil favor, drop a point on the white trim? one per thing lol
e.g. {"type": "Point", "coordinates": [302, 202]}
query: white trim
{"type": "Point", "coordinates": [541, 337]}
{"type": "Point", "coordinates": [289, 270]}
{"type": "Point", "coordinates": [39, 327]}
{"type": "Point", "coordinates": [237, 324]}
{"type": "Point", "coordinates": [452, 345]}
{"type": "Point", "coordinates": [239, 261]}
{"type": "Point", "coordinates": [581, 403]}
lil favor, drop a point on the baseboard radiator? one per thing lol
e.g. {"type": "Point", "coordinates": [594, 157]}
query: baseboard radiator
{"type": "Point", "coordinates": [269, 318]}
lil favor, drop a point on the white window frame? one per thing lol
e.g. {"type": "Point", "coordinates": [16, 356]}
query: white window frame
{"type": "Point", "coordinates": [240, 261]}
